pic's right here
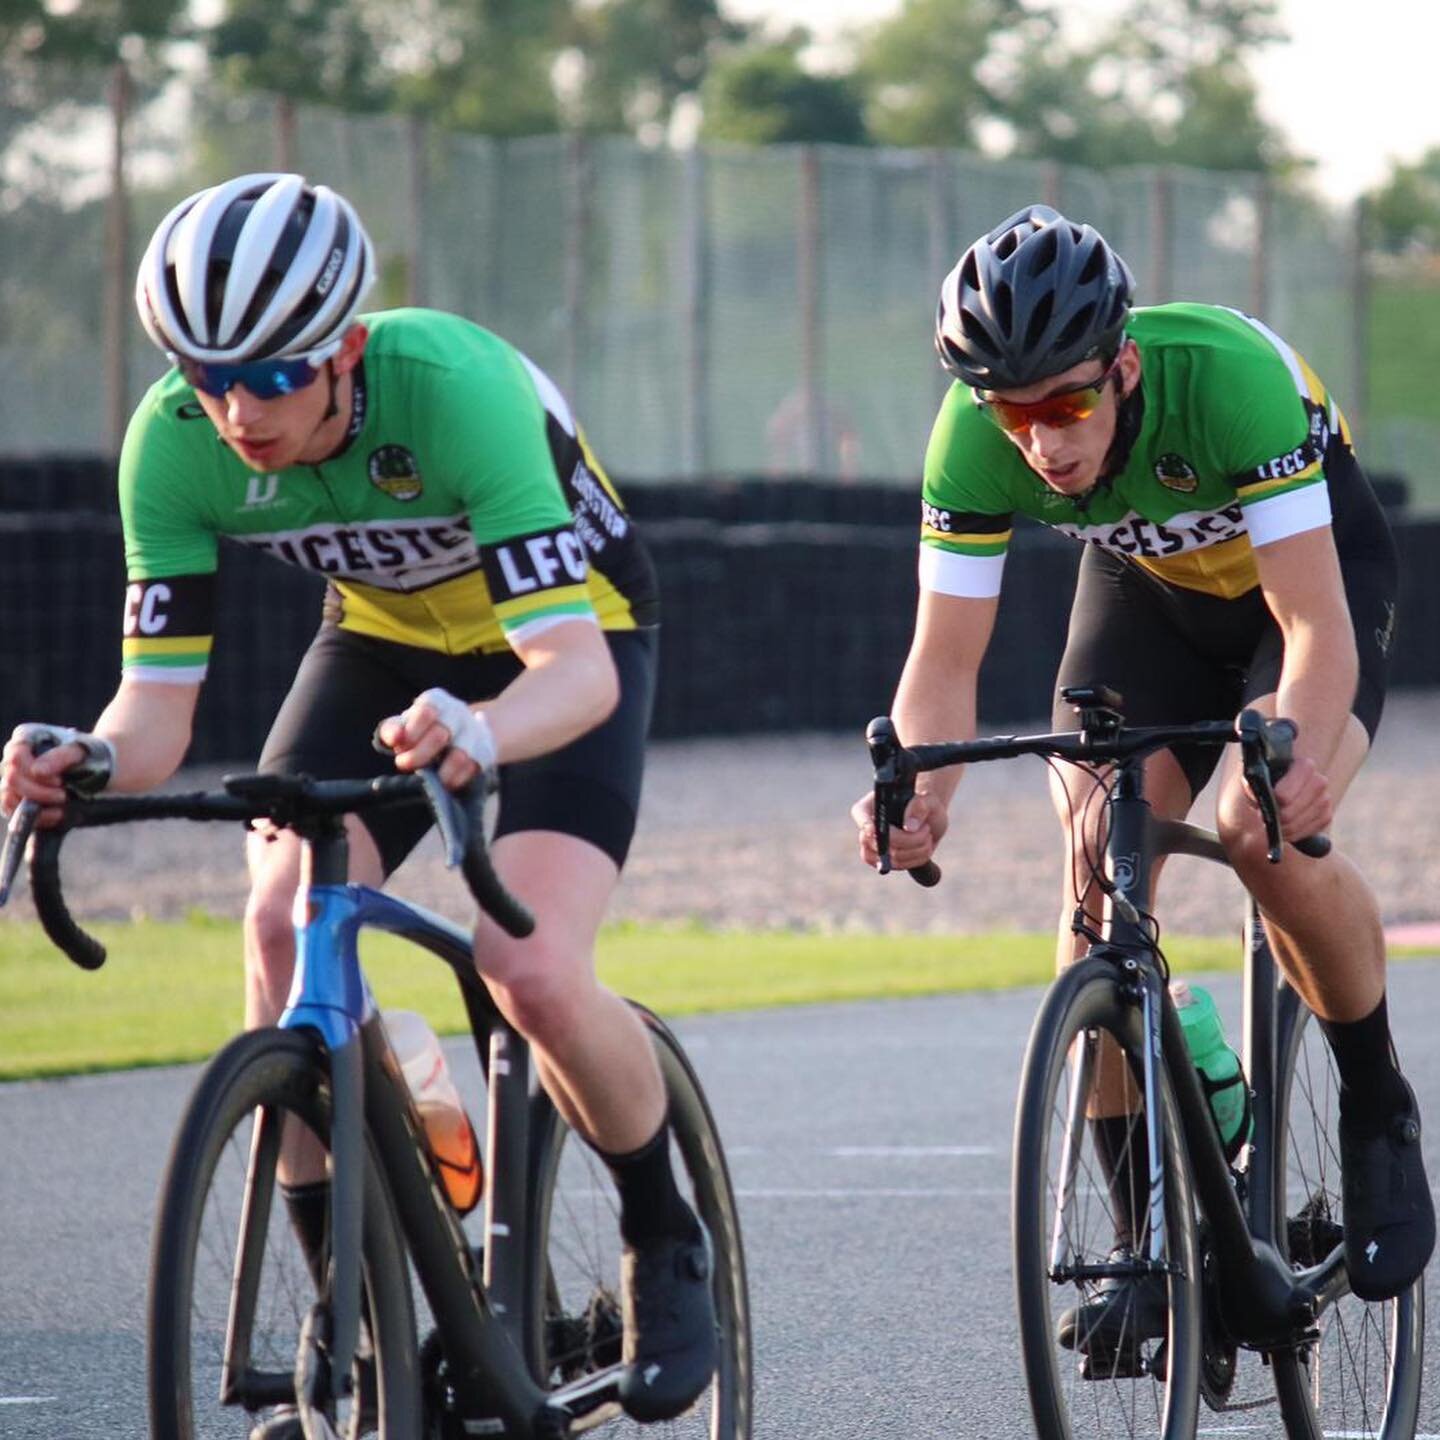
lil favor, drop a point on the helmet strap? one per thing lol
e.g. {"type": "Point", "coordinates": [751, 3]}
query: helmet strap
{"type": "Point", "coordinates": [332, 409]}
{"type": "Point", "coordinates": [1129, 416]}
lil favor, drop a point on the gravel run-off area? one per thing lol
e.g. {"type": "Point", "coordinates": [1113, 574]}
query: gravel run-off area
{"type": "Point", "coordinates": [755, 832]}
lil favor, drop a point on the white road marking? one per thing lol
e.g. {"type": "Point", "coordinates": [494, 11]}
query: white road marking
{"type": "Point", "coordinates": [28, 1399]}
{"type": "Point", "coordinates": [896, 1192]}
{"type": "Point", "coordinates": [885, 1152]}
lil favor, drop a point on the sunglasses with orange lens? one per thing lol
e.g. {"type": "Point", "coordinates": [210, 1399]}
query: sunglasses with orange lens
{"type": "Point", "coordinates": [1065, 407]}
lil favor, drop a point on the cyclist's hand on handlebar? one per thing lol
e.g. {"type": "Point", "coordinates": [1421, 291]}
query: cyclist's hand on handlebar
{"type": "Point", "coordinates": [439, 724]}
{"type": "Point", "coordinates": [1303, 799]}
{"type": "Point", "coordinates": [926, 820]}
{"type": "Point", "coordinates": [27, 776]}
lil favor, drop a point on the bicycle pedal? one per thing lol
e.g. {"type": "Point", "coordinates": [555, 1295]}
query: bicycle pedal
{"type": "Point", "coordinates": [1130, 1364]}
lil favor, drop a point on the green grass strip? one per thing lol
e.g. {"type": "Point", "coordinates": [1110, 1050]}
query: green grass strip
{"type": "Point", "coordinates": [171, 992]}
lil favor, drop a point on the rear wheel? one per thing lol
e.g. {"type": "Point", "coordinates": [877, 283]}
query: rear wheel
{"type": "Point", "coordinates": [1361, 1377]}
{"type": "Point", "coordinates": [225, 1330]}
{"type": "Point", "coordinates": [574, 1326]}
{"type": "Point", "coordinates": [1094, 1367]}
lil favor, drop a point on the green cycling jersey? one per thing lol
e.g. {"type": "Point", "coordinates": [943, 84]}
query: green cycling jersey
{"type": "Point", "coordinates": [463, 511]}
{"type": "Point", "coordinates": [1227, 453]}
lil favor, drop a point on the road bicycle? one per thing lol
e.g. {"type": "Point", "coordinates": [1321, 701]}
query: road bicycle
{"type": "Point", "coordinates": [1233, 1256]}
{"type": "Point", "coordinates": [523, 1333]}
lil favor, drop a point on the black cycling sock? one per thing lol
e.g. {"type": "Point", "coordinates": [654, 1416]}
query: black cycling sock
{"type": "Point", "coordinates": [1124, 1155]}
{"type": "Point", "coordinates": [1372, 1091]}
{"type": "Point", "coordinates": [309, 1207]}
{"type": "Point", "coordinates": [650, 1204]}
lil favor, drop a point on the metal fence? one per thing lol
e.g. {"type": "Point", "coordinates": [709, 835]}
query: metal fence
{"type": "Point", "coordinates": [709, 311]}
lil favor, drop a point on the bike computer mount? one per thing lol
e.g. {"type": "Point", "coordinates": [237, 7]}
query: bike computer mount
{"type": "Point", "coordinates": [1098, 706]}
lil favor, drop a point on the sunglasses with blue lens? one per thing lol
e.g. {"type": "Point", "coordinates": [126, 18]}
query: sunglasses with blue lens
{"type": "Point", "coordinates": [264, 379]}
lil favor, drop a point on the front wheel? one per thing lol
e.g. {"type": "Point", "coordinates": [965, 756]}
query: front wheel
{"type": "Point", "coordinates": [1110, 1337]}
{"type": "Point", "coordinates": [573, 1324]}
{"type": "Point", "coordinates": [231, 1284]}
{"type": "Point", "coordinates": [1361, 1376]}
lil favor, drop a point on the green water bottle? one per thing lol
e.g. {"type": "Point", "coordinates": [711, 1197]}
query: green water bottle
{"type": "Point", "coordinates": [1218, 1065]}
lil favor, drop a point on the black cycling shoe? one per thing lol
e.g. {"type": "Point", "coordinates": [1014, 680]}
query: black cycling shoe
{"type": "Point", "coordinates": [670, 1346]}
{"type": "Point", "coordinates": [1125, 1312]}
{"type": "Point", "coordinates": [1389, 1215]}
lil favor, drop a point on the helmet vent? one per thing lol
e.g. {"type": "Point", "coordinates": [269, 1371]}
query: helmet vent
{"type": "Point", "coordinates": [1077, 326]}
{"type": "Point", "coordinates": [1004, 307]}
{"type": "Point", "coordinates": [1044, 249]}
{"type": "Point", "coordinates": [1039, 321]}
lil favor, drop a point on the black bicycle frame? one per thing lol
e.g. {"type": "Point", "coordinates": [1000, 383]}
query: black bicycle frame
{"type": "Point", "coordinates": [1263, 1302]}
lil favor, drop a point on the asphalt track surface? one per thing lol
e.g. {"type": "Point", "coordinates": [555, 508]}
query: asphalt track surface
{"type": "Point", "coordinates": [870, 1147]}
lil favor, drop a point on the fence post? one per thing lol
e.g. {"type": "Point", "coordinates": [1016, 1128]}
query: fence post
{"type": "Point", "coordinates": [577, 247]}
{"type": "Point", "coordinates": [1051, 177]}
{"type": "Point", "coordinates": [415, 232]}
{"type": "Point", "coordinates": [939, 216]}
{"type": "Point", "coordinates": [1358, 406]}
{"type": "Point", "coordinates": [1161, 217]}
{"type": "Point", "coordinates": [285, 133]}
{"type": "Point", "coordinates": [118, 281]}
{"type": "Point", "coordinates": [807, 283]}
{"type": "Point", "coordinates": [1259, 257]}
{"type": "Point", "coordinates": [695, 278]}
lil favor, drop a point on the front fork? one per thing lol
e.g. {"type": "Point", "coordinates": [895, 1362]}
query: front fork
{"type": "Point", "coordinates": [1147, 986]}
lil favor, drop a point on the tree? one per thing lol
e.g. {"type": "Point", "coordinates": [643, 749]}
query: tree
{"type": "Point", "coordinates": [763, 96]}
{"type": "Point", "coordinates": [1166, 83]}
{"type": "Point", "coordinates": [306, 50]}
{"type": "Point", "coordinates": [640, 56]}
{"type": "Point", "coordinates": [470, 64]}
{"type": "Point", "coordinates": [921, 71]}
{"type": "Point", "coordinates": [93, 33]}
{"type": "Point", "coordinates": [1405, 211]}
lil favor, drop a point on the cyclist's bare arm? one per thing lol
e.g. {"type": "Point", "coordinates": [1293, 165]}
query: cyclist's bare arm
{"type": "Point", "coordinates": [568, 687]}
{"type": "Point", "coordinates": [148, 725]}
{"type": "Point", "coordinates": [935, 700]}
{"type": "Point", "coordinates": [1300, 577]}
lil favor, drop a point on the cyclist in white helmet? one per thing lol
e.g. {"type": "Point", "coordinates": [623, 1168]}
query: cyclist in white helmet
{"type": "Point", "coordinates": [489, 605]}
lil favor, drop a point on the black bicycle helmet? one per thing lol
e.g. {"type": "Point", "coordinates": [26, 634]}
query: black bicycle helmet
{"type": "Point", "coordinates": [1035, 296]}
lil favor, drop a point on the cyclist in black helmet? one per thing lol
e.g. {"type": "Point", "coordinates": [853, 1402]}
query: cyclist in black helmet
{"type": "Point", "coordinates": [1235, 555]}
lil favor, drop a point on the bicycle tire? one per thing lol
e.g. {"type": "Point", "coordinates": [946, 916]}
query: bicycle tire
{"type": "Point", "coordinates": [573, 1308]}
{"type": "Point", "coordinates": [1141, 1389]}
{"type": "Point", "coordinates": [279, 1073]}
{"type": "Point", "coordinates": [1362, 1376]}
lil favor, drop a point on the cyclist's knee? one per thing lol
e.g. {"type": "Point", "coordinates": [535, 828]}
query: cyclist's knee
{"type": "Point", "coordinates": [1241, 831]}
{"type": "Point", "coordinates": [540, 987]}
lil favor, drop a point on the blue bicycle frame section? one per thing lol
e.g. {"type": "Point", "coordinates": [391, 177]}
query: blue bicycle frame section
{"type": "Point", "coordinates": [329, 995]}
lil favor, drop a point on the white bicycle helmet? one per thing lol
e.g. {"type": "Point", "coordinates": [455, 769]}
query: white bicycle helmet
{"type": "Point", "coordinates": [261, 267]}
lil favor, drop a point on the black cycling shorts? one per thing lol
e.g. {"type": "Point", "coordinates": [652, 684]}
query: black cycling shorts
{"type": "Point", "coordinates": [348, 683]}
{"type": "Point", "coordinates": [1178, 656]}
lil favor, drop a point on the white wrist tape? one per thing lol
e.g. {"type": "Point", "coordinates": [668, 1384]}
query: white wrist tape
{"type": "Point", "coordinates": [469, 729]}
{"type": "Point", "coordinates": [88, 776]}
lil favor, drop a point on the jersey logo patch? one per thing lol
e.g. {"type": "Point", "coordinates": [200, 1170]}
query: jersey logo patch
{"type": "Point", "coordinates": [393, 472]}
{"type": "Point", "coordinates": [1175, 472]}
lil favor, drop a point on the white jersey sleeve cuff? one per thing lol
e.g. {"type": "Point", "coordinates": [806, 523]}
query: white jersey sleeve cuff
{"type": "Point", "coordinates": [973, 577]}
{"type": "Point", "coordinates": [1289, 514]}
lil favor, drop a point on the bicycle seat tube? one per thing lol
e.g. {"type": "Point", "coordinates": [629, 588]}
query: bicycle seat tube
{"type": "Point", "coordinates": [1260, 1296]}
